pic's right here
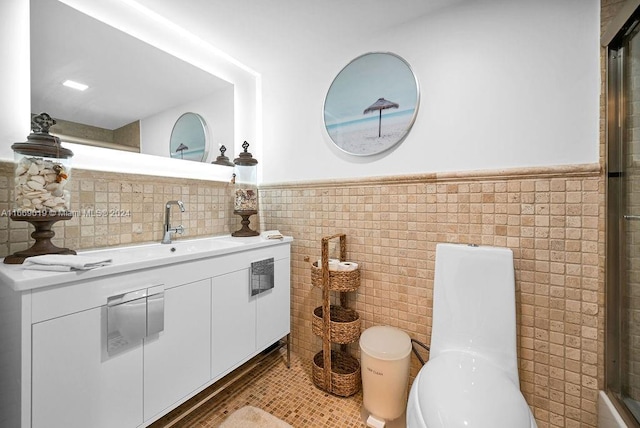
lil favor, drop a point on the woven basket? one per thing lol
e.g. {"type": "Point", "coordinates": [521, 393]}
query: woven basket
{"type": "Point", "coordinates": [345, 374]}
{"type": "Point", "coordinates": [338, 280]}
{"type": "Point", "coordinates": [344, 324]}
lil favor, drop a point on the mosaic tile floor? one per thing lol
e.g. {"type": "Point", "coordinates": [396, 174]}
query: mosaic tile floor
{"type": "Point", "coordinates": [288, 394]}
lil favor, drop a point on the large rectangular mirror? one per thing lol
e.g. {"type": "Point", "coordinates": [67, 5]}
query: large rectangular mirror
{"type": "Point", "coordinates": [136, 92]}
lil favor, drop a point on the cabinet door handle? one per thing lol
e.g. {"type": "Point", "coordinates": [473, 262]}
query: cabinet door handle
{"type": "Point", "coordinates": [155, 313]}
{"type": "Point", "coordinates": [632, 217]}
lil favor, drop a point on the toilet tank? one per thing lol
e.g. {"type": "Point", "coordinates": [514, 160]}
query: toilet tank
{"type": "Point", "coordinates": [474, 304]}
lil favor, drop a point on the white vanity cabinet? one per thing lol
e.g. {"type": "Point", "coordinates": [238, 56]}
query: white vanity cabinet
{"type": "Point", "coordinates": [177, 360]}
{"type": "Point", "coordinates": [233, 320]}
{"type": "Point", "coordinates": [74, 383]}
{"type": "Point", "coordinates": [65, 370]}
{"type": "Point", "coordinates": [243, 323]}
{"type": "Point", "coordinates": [273, 313]}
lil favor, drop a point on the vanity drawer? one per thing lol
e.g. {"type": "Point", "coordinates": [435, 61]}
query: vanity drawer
{"type": "Point", "coordinates": [53, 302]}
{"type": "Point", "coordinates": [192, 271]}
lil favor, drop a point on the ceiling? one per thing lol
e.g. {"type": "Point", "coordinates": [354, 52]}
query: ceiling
{"type": "Point", "coordinates": [128, 79]}
{"type": "Point", "coordinates": [260, 34]}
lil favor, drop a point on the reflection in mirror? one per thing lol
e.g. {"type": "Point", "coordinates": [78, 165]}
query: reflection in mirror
{"type": "Point", "coordinates": [135, 91]}
{"type": "Point", "coordinates": [189, 138]}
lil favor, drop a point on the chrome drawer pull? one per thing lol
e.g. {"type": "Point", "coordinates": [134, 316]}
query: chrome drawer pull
{"type": "Point", "coordinates": [261, 276]}
{"type": "Point", "coordinates": [132, 317]}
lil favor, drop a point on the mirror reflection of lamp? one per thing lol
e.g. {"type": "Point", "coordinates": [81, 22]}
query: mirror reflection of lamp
{"type": "Point", "coordinates": [181, 148]}
{"type": "Point", "coordinates": [223, 159]}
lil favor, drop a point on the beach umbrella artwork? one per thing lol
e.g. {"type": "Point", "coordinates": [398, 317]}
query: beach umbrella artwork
{"type": "Point", "coordinates": [380, 105]}
{"type": "Point", "coordinates": [181, 148]}
{"type": "Point", "coordinates": [379, 77]}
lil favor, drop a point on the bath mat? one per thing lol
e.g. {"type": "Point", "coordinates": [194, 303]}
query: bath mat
{"type": "Point", "coordinates": [249, 416]}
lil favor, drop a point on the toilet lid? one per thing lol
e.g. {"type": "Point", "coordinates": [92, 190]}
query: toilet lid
{"type": "Point", "coordinates": [458, 389]}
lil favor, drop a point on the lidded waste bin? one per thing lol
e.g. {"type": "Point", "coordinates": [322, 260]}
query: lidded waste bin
{"type": "Point", "coordinates": [385, 354]}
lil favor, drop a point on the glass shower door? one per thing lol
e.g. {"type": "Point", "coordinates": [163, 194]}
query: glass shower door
{"type": "Point", "coordinates": [630, 228]}
{"type": "Point", "coordinates": [623, 224]}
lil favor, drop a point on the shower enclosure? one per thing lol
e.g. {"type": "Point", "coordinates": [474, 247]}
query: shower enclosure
{"type": "Point", "coordinates": [622, 342]}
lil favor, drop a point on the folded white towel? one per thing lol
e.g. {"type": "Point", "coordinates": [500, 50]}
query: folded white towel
{"type": "Point", "coordinates": [50, 268]}
{"type": "Point", "coordinates": [272, 234]}
{"type": "Point", "coordinates": [64, 262]}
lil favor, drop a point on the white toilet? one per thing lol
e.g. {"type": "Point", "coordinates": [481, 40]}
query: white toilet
{"type": "Point", "coordinates": [471, 378]}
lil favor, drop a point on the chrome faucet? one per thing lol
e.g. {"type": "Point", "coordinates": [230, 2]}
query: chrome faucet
{"type": "Point", "coordinates": [168, 230]}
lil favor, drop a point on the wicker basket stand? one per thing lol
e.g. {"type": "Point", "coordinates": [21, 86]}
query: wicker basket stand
{"type": "Point", "coordinates": [335, 371]}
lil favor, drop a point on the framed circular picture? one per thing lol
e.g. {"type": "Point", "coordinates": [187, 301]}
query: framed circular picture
{"type": "Point", "coordinates": [371, 104]}
{"type": "Point", "coordinates": [189, 138]}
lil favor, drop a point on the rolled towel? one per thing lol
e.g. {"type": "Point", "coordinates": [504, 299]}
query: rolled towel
{"type": "Point", "coordinates": [272, 234]}
{"type": "Point", "coordinates": [64, 262]}
{"type": "Point", "coordinates": [347, 266]}
{"type": "Point", "coordinates": [333, 264]}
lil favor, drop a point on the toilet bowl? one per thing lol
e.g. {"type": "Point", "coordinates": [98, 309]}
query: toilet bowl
{"type": "Point", "coordinates": [471, 378]}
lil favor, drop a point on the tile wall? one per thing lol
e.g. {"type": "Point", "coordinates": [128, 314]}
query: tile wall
{"type": "Point", "coordinates": [552, 220]}
{"type": "Point", "coordinates": [124, 209]}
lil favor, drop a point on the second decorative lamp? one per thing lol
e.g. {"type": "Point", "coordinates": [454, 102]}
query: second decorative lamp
{"type": "Point", "coordinates": [42, 169]}
{"type": "Point", "coordinates": [246, 190]}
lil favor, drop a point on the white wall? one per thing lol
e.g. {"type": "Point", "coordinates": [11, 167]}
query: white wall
{"type": "Point", "coordinates": [503, 84]}
{"type": "Point", "coordinates": [14, 74]}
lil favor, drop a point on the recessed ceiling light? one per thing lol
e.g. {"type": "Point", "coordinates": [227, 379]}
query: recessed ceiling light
{"type": "Point", "coordinates": [75, 85]}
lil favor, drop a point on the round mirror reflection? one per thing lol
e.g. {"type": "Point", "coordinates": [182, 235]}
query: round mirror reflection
{"type": "Point", "coordinates": [189, 138]}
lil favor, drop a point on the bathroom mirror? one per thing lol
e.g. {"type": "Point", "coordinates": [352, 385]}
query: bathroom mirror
{"type": "Point", "coordinates": [189, 138]}
{"type": "Point", "coordinates": [136, 92]}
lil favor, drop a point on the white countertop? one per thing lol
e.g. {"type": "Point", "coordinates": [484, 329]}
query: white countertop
{"type": "Point", "coordinates": [132, 258]}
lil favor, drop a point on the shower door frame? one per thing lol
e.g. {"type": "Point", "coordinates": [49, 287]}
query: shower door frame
{"type": "Point", "coordinates": [614, 40]}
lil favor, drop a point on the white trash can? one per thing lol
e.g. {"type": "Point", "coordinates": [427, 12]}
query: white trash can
{"type": "Point", "coordinates": [385, 354]}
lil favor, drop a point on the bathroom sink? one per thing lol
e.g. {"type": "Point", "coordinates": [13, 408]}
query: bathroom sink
{"type": "Point", "coordinates": [198, 245]}
{"type": "Point", "coordinates": [132, 258]}
{"type": "Point", "coordinates": [192, 247]}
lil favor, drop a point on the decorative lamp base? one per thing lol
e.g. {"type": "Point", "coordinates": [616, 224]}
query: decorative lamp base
{"type": "Point", "coordinates": [42, 234]}
{"type": "Point", "coordinates": [245, 230]}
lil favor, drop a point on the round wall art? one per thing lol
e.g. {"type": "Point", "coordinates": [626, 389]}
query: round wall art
{"type": "Point", "coordinates": [371, 104]}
